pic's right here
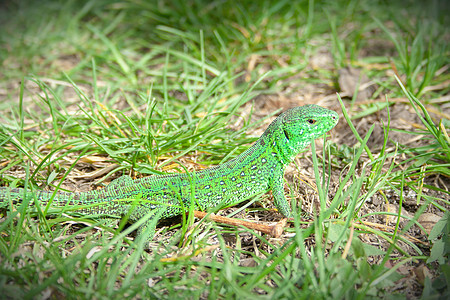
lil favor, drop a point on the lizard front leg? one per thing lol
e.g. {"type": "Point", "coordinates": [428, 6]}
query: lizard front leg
{"type": "Point", "coordinates": [277, 186]}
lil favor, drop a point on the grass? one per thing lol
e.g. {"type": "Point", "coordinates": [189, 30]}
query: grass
{"type": "Point", "coordinates": [92, 90]}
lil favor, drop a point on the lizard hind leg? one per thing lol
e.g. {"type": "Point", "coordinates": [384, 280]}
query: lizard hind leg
{"type": "Point", "coordinates": [122, 181]}
{"type": "Point", "coordinates": [147, 228]}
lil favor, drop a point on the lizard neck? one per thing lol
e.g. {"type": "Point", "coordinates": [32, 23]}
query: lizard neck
{"type": "Point", "coordinates": [276, 138]}
{"type": "Point", "coordinates": [287, 151]}
{"type": "Point", "coordinates": [278, 147]}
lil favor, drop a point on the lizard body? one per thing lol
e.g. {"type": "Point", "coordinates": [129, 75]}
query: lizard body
{"type": "Point", "coordinates": [257, 170]}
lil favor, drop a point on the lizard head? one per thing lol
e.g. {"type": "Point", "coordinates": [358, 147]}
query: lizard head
{"type": "Point", "coordinates": [299, 126]}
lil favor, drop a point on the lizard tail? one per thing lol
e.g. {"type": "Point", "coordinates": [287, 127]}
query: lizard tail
{"type": "Point", "coordinates": [17, 196]}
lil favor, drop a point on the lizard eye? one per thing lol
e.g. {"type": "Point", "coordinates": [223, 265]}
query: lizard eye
{"type": "Point", "coordinates": [311, 121]}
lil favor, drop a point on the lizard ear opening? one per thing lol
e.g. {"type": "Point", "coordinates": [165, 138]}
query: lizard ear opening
{"type": "Point", "coordinates": [286, 135]}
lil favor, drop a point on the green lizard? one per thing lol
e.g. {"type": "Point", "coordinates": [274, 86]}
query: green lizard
{"type": "Point", "coordinates": [257, 170]}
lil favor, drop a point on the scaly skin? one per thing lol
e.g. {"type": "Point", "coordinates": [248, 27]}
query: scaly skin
{"type": "Point", "coordinates": [256, 171]}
